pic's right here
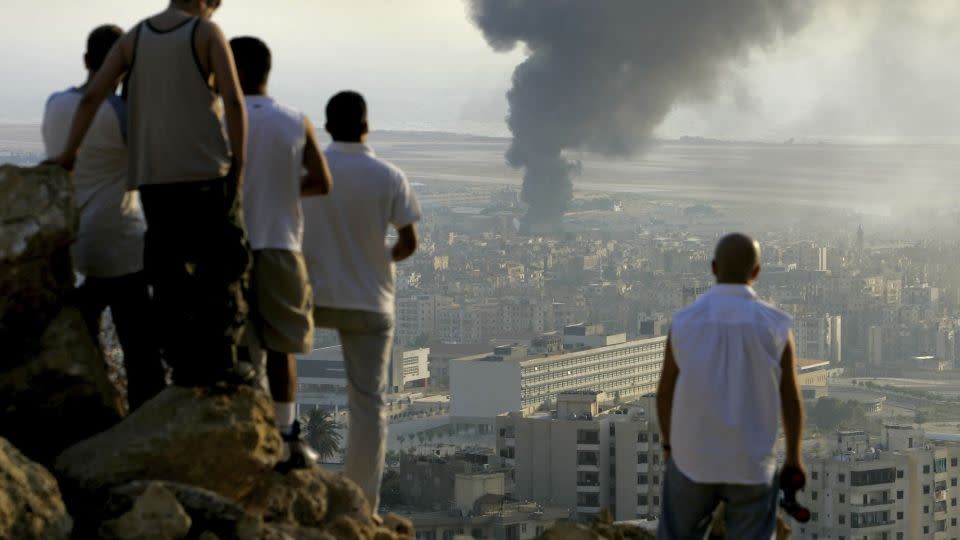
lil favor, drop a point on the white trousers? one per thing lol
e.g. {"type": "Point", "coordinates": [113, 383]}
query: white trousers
{"type": "Point", "coordinates": [367, 340]}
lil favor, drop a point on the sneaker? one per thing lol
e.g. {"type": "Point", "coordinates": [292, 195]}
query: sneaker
{"type": "Point", "coordinates": [297, 454]}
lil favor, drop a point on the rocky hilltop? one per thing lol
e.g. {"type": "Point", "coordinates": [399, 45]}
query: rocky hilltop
{"type": "Point", "coordinates": [189, 464]}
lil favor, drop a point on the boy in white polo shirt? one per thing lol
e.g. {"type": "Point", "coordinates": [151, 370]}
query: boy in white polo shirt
{"type": "Point", "coordinates": [352, 274]}
{"type": "Point", "coordinates": [281, 144]}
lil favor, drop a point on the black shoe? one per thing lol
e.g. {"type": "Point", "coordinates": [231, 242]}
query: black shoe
{"type": "Point", "coordinates": [297, 454]}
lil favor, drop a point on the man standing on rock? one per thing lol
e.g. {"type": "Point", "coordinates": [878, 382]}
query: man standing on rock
{"type": "Point", "coordinates": [108, 250]}
{"type": "Point", "coordinates": [178, 67]}
{"type": "Point", "coordinates": [282, 144]}
{"type": "Point", "coordinates": [727, 373]}
{"type": "Point", "coordinates": [352, 274]}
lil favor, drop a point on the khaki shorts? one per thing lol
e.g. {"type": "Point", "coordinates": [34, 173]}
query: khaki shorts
{"type": "Point", "coordinates": [281, 301]}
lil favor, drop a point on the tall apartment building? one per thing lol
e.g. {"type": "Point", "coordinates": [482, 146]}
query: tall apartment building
{"type": "Point", "coordinates": [525, 378]}
{"type": "Point", "coordinates": [416, 316]}
{"type": "Point", "coordinates": [901, 487]}
{"type": "Point", "coordinates": [819, 337]}
{"type": "Point", "coordinates": [578, 458]}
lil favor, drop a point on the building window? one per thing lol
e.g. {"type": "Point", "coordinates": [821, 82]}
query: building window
{"type": "Point", "coordinates": [587, 458]}
{"type": "Point", "coordinates": [899, 473]}
{"type": "Point", "coordinates": [926, 509]}
{"type": "Point", "coordinates": [926, 529]}
{"type": "Point", "coordinates": [813, 495]}
{"type": "Point", "coordinates": [656, 459]}
{"type": "Point", "coordinates": [953, 482]}
{"type": "Point", "coordinates": [842, 478]}
{"type": "Point", "coordinates": [641, 500]}
{"type": "Point", "coordinates": [926, 489]}
{"type": "Point", "coordinates": [953, 522]}
{"type": "Point", "coordinates": [926, 469]}
{"type": "Point", "coordinates": [815, 517]}
{"type": "Point", "coordinates": [656, 437]}
{"type": "Point", "coordinates": [642, 479]}
{"type": "Point", "coordinates": [899, 515]}
{"type": "Point", "coordinates": [940, 465]}
{"type": "Point", "coordinates": [953, 462]}
{"type": "Point", "coordinates": [641, 437]}
{"type": "Point", "coordinates": [656, 479]}
{"type": "Point", "coordinates": [899, 495]}
{"type": "Point", "coordinates": [899, 536]}
{"type": "Point", "coordinates": [813, 475]}
{"type": "Point", "coordinates": [953, 501]}
{"type": "Point", "coordinates": [843, 498]}
{"type": "Point", "coordinates": [641, 458]}
{"type": "Point", "coordinates": [588, 436]}
{"type": "Point", "coordinates": [656, 500]}
{"type": "Point", "coordinates": [842, 519]}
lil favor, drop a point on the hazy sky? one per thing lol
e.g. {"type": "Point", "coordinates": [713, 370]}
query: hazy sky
{"type": "Point", "coordinates": [883, 68]}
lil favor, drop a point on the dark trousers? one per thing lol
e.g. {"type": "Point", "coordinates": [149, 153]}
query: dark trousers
{"type": "Point", "coordinates": [197, 260]}
{"type": "Point", "coordinates": [129, 301]}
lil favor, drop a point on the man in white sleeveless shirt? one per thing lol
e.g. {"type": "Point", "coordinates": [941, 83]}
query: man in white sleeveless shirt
{"type": "Point", "coordinates": [281, 144]}
{"type": "Point", "coordinates": [108, 250]}
{"type": "Point", "coordinates": [728, 374]}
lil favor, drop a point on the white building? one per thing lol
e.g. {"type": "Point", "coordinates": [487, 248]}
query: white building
{"type": "Point", "coordinates": [522, 378]}
{"type": "Point", "coordinates": [819, 337]}
{"type": "Point", "coordinates": [408, 368]}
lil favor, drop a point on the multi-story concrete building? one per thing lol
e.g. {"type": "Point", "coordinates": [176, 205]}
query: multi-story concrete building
{"type": "Point", "coordinates": [416, 316]}
{"type": "Point", "coordinates": [408, 368]}
{"type": "Point", "coordinates": [582, 459]}
{"type": "Point", "coordinates": [901, 487]}
{"type": "Point", "coordinates": [819, 337]}
{"type": "Point", "coordinates": [523, 378]}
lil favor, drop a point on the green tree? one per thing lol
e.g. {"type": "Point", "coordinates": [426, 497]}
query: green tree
{"type": "Point", "coordinates": [323, 434]}
{"type": "Point", "coordinates": [390, 494]}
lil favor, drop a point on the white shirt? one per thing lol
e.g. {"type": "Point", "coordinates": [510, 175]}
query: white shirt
{"type": "Point", "coordinates": [345, 232]}
{"type": "Point", "coordinates": [271, 187]}
{"type": "Point", "coordinates": [726, 404]}
{"type": "Point", "coordinates": [110, 235]}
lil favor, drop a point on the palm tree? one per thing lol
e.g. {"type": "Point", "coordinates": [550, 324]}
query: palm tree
{"type": "Point", "coordinates": [323, 434]}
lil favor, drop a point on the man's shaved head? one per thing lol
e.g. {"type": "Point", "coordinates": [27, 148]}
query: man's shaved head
{"type": "Point", "coordinates": [737, 259]}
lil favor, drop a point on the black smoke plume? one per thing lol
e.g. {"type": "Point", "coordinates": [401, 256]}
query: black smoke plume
{"type": "Point", "coordinates": [602, 74]}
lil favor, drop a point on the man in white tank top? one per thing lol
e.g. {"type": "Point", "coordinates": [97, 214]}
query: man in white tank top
{"type": "Point", "coordinates": [180, 81]}
{"type": "Point", "coordinates": [108, 250]}
{"type": "Point", "coordinates": [281, 145]}
{"type": "Point", "coordinates": [728, 373]}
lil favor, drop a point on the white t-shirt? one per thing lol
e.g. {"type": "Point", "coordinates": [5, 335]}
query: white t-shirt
{"type": "Point", "coordinates": [271, 186]}
{"type": "Point", "coordinates": [726, 403]}
{"type": "Point", "coordinates": [345, 232]}
{"type": "Point", "coordinates": [110, 236]}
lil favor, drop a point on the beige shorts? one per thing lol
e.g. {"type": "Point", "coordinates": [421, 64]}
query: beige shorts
{"type": "Point", "coordinates": [281, 301]}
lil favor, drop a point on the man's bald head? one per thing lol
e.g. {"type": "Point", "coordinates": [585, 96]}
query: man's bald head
{"type": "Point", "coordinates": [737, 259]}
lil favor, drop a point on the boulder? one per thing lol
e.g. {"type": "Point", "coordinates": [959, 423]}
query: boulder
{"type": "Point", "coordinates": [156, 515]}
{"type": "Point", "coordinates": [221, 439]}
{"type": "Point", "coordinates": [30, 503]}
{"type": "Point", "coordinates": [61, 395]}
{"type": "Point", "coordinates": [54, 389]}
{"type": "Point", "coordinates": [310, 497]}
{"type": "Point", "coordinates": [210, 514]}
{"type": "Point", "coordinates": [38, 221]}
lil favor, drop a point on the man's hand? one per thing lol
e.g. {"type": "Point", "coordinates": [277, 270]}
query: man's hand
{"type": "Point", "coordinates": [68, 162]}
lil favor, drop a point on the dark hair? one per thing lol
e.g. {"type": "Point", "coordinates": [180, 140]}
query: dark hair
{"type": "Point", "coordinates": [99, 43]}
{"type": "Point", "coordinates": [253, 60]}
{"type": "Point", "coordinates": [346, 116]}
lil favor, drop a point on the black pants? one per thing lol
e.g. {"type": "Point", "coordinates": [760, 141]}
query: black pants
{"type": "Point", "coordinates": [129, 302]}
{"type": "Point", "coordinates": [197, 260]}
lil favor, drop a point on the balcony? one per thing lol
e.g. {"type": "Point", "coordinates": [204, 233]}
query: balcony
{"type": "Point", "coordinates": [874, 525]}
{"type": "Point", "coordinates": [588, 487]}
{"type": "Point", "coordinates": [589, 447]}
{"type": "Point", "coordinates": [643, 467]}
{"type": "Point", "coordinates": [872, 503]}
{"type": "Point", "coordinates": [643, 447]}
{"type": "Point", "coordinates": [940, 495]}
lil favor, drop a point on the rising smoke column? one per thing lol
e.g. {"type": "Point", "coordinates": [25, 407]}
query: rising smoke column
{"type": "Point", "coordinates": [602, 74]}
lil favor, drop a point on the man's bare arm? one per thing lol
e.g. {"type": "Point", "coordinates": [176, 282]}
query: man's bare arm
{"type": "Point", "coordinates": [791, 405]}
{"type": "Point", "coordinates": [406, 243]}
{"type": "Point", "coordinates": [318, 180]}
{"type": "Point", "coordinates": [665, 388]}
{"type": "Point", "coordinates": [105, 82]}
{"type": "Point", "coordinates": [228, 83]}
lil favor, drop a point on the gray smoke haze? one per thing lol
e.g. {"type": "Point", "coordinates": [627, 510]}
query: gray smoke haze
{"type": "Point", "coordinates": [602, 74]}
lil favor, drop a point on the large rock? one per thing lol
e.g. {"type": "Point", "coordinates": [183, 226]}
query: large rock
{"type": "Point", "coordinates": [61, 395]}
{"type": "Point", "coordinates": [223, 440]}
{"type": "Point", "coordinates": [310, 497]}
{"type": "Point", "coordinates": [30, 503]}
{"type": "Point", "coordinates": [38, 222]}
{"type": "Point", "coordinates": [54, 389]}
{"type": "Point", "coordinates": [156, 515]}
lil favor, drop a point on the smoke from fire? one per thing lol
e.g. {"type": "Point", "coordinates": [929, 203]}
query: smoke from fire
{"type": "Point", "coordinates": [602, 74]}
